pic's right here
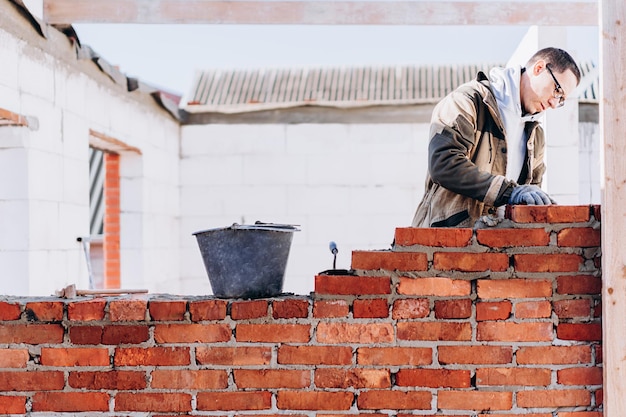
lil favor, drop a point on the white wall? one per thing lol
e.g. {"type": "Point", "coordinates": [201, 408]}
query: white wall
{"type": "Point", "coordinates": [352, 184]}
{"type": "Point", "coordinates": [44, 169]}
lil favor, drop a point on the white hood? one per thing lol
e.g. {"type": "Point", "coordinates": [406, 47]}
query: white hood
{"type": "Point", "coordinates": [505, 83]}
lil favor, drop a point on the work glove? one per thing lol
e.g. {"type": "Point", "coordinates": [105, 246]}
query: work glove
{"type": "Point", "coordinates": [531, 195]}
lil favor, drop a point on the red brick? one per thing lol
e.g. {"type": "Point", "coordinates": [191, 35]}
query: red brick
{"type": "Point", "coordinates": [241, 355]}
{"type": "Point", "coordinates": [331, 332]}
{"type": "Point", "coordinates": [579, 284]}
{"type": "Point", "coordinates": [192, 333]}
{"type": "Point", "coordinates": [290, 309]}
{"type": "Point", "coordinates": [394, 356]}
{"type": "Point", "coordinates": [496, 310]}
{"type": "Point", "coordinates": [351, 285]}
{"type": "Point", "coordinates": [474, 400]}
{"type": "Point", "coordinates": [243, 310]}
{"type": "Point", "coordinates": [74, 357]}
{"type": "Point", "coordinates": [358, 415]}
{"type": "Point", "coordinates": [504, 238]}
{"type": "Point", "coordinates": [89, 310]}
{"type": "Point", "coordinates": [31, 381]}
{"type": "Point", "coordinates": [128, 310]}
{"type": "Point", "coordinates": [108, 380]}
{"type": "Point", "coordinates": [86, 335]}
{"type": "Point", "coordinates": [452, 355]}
{"type": "Point", "coordinates": [434, 331]}
{"type": "Point", "coordinates": [545, 262]}
{"type": "Point", "coordinates": [514, 332]}
{"type": "Point", "coordinates": [185, 379]}
{"type": "Point", "coordinates": [579, 331]}
{"type": "Point", "coordinates": [167, 310]}
{"type": "Point", "coordinates": [31, 334]}
{"type": "Point", "coordinates": [290, 415]}
{"type": "Point", "coordinates": [433, 378]}
{"type": "Point", "coordinates": [370, 308]}
{"type": "Point", "coordinates": [394, 400]}
{"type": "Point", "coordinates": [389, 260]}
{"type": "Point", "coordinates": [118, 335]}
{"type": "Point", "coordinates": [572, 308]}
{"type": "Point", "coordinates": [580, 376]}
{"type": "Point", "coordinates": [207, 310]}
{"type": "Point", "coordinates": [278, 333]}
{"type": "Point", "coordinates": [44, 311]}
{"type": "Point", "coordinates": [533, 310]}
{"type": "Point", "coordinates": [470, 262]}
{"type": "Point", "coordinates": [580, 413]}
{"type": "Point", "coordinates": [314, 355]}
{"type": "Point", "coordinates": [440, 237]}
{"type": "Point", "coordinates": [580, 237]}
{"type": "Point", "coordinates": [453, 309]}
{"type": "Point", "coordinates": [352, 378]}
{"type": "Point", "coordinates": [235, 401]}
{"type": "Point", "coordinates": [410, 308]}
{"type": "Point", "coordinates": [9, 311]}
{"type": "Point", "coordinates": [12, 404]}
{"type": "Point", "coordinates": [330, 308]}
{"type": "Point", "coordinates": [154, 402]}
{"type": "Point", "coordinates": [154, 356]}
{"type": "Point", "coordinates": [548, 214]}
{"type": "Point", "coordinates": [513, 288]}
{"type": "Point", "coordinates": [599, 396]}
{"type": "Point", "coordinates": [553, 398]}
{"type": "Point", "coordinates": [13, 358]}
{"type": "Point", "coordinates": [71, 401]}
{"type": "Point", "coordinates": [314, 400]}
{"type": "Point", "coordinates": [271, 378]}
{"type": "Point", "coordinates": [553, 355]}
{"type": "Point", "coordinates": [525, 415]}
{"type": "Point", "coordinates": [442, 287]}
{"type": "Point", "coordinates": [513, 376]}
{"type": "Point", "coordinates": [448, 415]}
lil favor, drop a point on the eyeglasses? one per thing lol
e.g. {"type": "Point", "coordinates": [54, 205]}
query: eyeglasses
{"type": "Point", "coordinates": [558, 94]}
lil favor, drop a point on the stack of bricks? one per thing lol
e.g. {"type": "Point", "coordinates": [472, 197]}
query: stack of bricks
{"type": "Point", "coordinates": [494, 322]}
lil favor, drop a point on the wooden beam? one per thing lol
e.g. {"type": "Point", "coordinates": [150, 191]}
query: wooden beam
{"type": "Point", "coordinates": [323, 12]}
{"type": "Point", "coordinates": [612, 128]}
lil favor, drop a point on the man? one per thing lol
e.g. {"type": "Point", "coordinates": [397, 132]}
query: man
{"type": "Point", "coordinates": [486, 145]}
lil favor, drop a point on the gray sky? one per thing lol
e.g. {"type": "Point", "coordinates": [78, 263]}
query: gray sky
{"type": "Point", "coordinates": [167, 56]}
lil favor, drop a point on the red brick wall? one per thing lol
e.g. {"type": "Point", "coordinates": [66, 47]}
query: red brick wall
{"type": "Point", "coordinates": [111, 244]}
{"type": "Point", "coordinates": [498, 322]}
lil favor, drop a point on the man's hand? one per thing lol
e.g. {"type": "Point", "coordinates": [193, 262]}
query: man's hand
{"type": "Point", "coordinates": [531, 195]}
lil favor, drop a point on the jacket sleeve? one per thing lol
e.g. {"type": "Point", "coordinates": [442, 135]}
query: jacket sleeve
{"type": "Point", "coordinates": [453, 150]}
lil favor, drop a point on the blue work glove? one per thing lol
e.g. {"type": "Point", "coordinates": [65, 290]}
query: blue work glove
{"type": "Point", "coordinates": [531, 195]}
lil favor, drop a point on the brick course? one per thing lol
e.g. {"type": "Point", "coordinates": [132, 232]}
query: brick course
{"type": "Point", "coordinates": [448, 322]}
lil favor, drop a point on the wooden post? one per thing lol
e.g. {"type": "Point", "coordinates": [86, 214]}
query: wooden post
{"type": "Point", "coordinates": [613, 128]}
{"type": "Point", "coordinates": [323, 12]}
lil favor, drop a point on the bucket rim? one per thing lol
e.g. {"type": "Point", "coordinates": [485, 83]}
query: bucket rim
{"type": "Point", "coordinates": [274, 227]}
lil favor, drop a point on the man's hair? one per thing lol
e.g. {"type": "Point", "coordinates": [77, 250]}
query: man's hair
{"type": "Point", "coordinates": [558, 59]}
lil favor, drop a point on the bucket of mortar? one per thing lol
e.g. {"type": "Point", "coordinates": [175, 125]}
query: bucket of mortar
{"type": "Point", "coordinates": [246, 261]}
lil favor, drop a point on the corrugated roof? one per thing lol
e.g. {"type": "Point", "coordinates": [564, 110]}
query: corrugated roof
{"type": "Point", "coordinates": [339, 87]}
{"type": "Point", "coordinates": [235, 91]}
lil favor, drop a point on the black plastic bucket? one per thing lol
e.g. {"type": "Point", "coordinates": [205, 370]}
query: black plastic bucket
{"type": "Point", "coordinates": [246, 261]}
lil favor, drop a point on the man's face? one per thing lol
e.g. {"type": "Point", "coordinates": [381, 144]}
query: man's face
{"type": "Point", "coordinates": [539, 90]}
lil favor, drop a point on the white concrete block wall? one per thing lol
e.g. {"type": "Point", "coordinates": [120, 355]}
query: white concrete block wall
{"type": "Point", "coordinates": [352, 184]}
{"type": "Point", "coordinates": [44, 191]}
